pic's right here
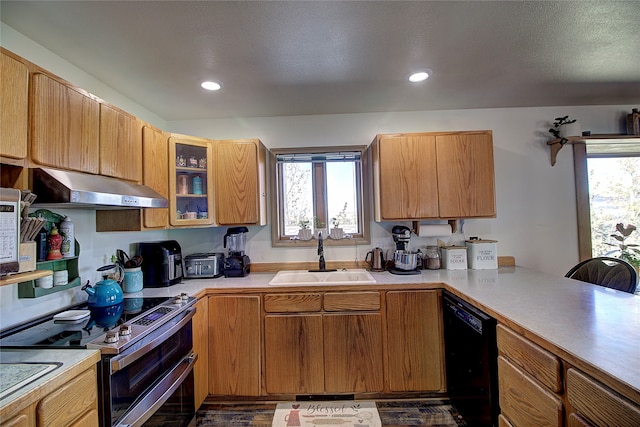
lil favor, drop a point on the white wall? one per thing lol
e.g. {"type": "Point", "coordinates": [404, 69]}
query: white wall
{"type": "Point", "coordinates": [536, 219]}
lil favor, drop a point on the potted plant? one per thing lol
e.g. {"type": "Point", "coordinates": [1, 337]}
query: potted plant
{"type": "Point", "coordinates": [627, 251]}
{"type": "Point", "coordinates": [336, 232]}
{"type": "Point", "coordinates": [304, 233]}
{"type": "Point", "coordinates": [563, 128]}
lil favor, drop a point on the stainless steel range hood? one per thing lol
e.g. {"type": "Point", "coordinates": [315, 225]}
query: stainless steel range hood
{"type": "Point", "coordinates": [83, 190]}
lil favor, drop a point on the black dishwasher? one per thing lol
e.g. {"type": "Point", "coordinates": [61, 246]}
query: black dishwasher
{"type": "Point", "coordinates": [471, 361]}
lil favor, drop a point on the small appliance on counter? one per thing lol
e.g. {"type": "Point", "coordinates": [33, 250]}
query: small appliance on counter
{"type": "Point", "coordinates": [162, 263]}
{"type": "Point", "coordinates": [237, 264]}
{"type": "Point", "coordinates": [203, 265]}
{"type": "Point", "coordinates": [404, 261]}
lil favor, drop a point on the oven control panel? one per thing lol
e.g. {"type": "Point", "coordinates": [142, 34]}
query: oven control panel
{"type": "Point", "coordinates": [121, 337]}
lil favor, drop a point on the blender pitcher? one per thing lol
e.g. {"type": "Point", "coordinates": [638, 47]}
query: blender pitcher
{"type": "Point", "coordinates": [235, 240]}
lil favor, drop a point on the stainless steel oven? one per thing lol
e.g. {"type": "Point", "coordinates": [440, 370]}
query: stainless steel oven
{"type": "Point", "coordinates": [145, 376]}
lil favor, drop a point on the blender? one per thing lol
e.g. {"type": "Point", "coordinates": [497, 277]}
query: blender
{"type": "Point", "coordinates": [236, 264]}
{"type": "Point", "coordinates": [404, 261]}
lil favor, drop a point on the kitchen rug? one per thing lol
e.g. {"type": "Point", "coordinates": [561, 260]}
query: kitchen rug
{"type": "Point", "coordinates": [428, 412]}
{"type": "Point", "coordinates": [343, 413]}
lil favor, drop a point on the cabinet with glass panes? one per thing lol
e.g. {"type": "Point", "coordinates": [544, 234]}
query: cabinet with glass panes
{"type": "Point", "coordinates": [190, 181]}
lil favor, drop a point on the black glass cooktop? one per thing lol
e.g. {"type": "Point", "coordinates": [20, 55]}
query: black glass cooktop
{"type": "Point", "coordinates": [47, 332]}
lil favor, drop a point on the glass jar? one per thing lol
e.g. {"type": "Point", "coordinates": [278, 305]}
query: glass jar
{"type": "Point", "coordinates": [433, 260]}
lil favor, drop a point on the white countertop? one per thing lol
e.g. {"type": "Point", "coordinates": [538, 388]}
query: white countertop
{"type": "Point", "coordinates": [591, 324]}
{"type": "Point", "coordinates": [69, 359]}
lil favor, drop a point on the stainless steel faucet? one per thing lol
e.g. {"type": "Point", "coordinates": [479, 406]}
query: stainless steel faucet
{"type": "Point", "coordinates": [321, 264]}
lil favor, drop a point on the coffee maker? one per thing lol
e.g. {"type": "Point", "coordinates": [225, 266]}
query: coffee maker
{"type": "Point", "coordinates": [404, 261]}
{"type": "Point", "coordinates": [236, 264]}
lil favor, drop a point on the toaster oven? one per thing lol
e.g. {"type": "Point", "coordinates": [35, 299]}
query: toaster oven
{"type": "Point", "coordinates": [203, 265]}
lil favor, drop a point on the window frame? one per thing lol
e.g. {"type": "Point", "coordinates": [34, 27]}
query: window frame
{"type": "Point", "coordinates": [581, 172]}
{"type": "Point", "coordinates": [364, 180]}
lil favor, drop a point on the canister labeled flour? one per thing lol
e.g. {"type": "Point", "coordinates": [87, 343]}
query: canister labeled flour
{"type": "Point", "coordinates": [482, 254]}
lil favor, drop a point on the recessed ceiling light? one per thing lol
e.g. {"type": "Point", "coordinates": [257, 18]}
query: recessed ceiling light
{"type": "Point", "coordinates": [211, 85]}
{"type": "Point", "coordinates": [420, 76]}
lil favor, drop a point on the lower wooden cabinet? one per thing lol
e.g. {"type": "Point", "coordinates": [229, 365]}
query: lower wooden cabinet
{"type": "Point", "coordinates": [294, 357]}
{"type": "Point", "coordinates": [353, 352]}
{"type": "Point", "coordinates": [234, 345]}
{"type": "Point", "coordinates": [524, 401]}
{"type": "Point", "coordinates": [414, 341]}
{"type": "Point", "coordinates": [75, 404]}
{"type": "Point", "coordinates": [201, 349]}
{"type": "Point", "coordinates": [596, 404]}
{"type": "Point", "coordinates": [302, 348]}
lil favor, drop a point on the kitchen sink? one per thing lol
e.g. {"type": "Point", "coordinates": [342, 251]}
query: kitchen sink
{"type": "Point", "coordinates": [322, 278]}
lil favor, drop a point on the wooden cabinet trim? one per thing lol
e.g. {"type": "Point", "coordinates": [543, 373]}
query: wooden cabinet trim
{"type": "Point", "coordinates": [599, 404]}
{"type": "Point", "coordinates": [69, 402]}
{"type": "Point", "coordinates": [524, 401]}
{"type": "Point", "coordinates": [352, 301]}
{"type": "Point", "coordinates": [292, 303]}
{"type": "Point", "coordinates": [541, 364]}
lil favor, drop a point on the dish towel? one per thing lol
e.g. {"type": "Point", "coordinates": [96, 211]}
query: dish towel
{"type": "Point", "coordinates": [343, 413]}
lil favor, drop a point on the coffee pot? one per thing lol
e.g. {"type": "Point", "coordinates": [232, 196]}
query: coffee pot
{"type": "Point", "coordinates": [375, 259]}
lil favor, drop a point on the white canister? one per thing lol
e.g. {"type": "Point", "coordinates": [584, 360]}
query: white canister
{"type": "Point", "coordinates": [68, 247]}
{"type": "Point", "coordinates": [45, 282]}
{"type": "Point", "coordinates": [60, 278]}
{"type": "Point", "coordinates": [454, 258]}
{"type": "Point", "coordinates": [482, 254]}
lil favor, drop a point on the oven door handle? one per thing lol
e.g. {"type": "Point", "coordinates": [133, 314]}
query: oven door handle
{"type": "Point", "coordinates": [126, 358]}
{"type": "Point", "coordinates": [159, 394]}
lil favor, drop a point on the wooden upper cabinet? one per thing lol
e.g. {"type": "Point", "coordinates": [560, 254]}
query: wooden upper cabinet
{"type": "Point", "coordinates": [433, 175]}
{"type": "Point", "coordinates": [14, 107]}
{"type": "Point", "coordinates": [65, 126]}
{"type": "Point", "coordinates": [190, 181]}
{"type": "Point", "coordinates": [408, 183]}
{"type": "Point", "coordinates": [466, 175]}
{"type": "Point", "coordinates": [120, 144]}
{"type": "Point", "coordinates": [155, 172]}
{"type": "Point", "coordinates": [240, 188]}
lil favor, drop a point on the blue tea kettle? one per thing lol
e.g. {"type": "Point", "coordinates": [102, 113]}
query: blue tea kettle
{"type": "Point", "coordinates": [105, 293]}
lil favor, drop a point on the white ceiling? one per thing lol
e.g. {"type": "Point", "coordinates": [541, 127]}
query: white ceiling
{"type": "Point", "coordinates": [278, 58]}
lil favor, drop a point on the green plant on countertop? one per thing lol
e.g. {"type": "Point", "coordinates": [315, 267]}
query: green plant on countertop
{"type": "Point", "coordinates": [628, 251]}
{"type": "Point", "coordinates": [341, 217]}
{"type": "Point", "coordinates": [555, 130]}
{"type": "Point", "coordinates": [304, 223]}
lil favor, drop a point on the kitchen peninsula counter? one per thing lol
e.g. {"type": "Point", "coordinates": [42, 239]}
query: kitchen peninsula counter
{"type": "Point", "coordinates": [595, 329]}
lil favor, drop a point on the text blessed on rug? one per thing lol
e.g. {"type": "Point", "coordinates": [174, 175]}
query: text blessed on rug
{"type": "Point", "coordinates": [350, 413]}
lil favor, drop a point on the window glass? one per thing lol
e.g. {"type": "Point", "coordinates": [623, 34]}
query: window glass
{"type": "Point", "coordinates": [342, 201]}
{"type": "Point", "coordinates": [614, 193]}
{"type": "Point", "coordinates": [320, 189]}
{"type": "Point", "coordinates": [297, 196]}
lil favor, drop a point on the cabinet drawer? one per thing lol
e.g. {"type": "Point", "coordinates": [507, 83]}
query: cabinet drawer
{"type": "Point", "coordinates": [542, 365]}
{"type": "Point", "coordinates": [523, 401]}
{"type": "Point", "coordinates": [66, 404]}
{"type": "Point", "coordinates": [290, 303]}
{"type": "Point", "coordinates": [598, 404]}
{"type": "Point", "coordinates": [351, 301]}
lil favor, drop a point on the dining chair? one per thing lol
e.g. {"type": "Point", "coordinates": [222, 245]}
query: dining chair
{"type": "Point", "coordinates": [610, 272]}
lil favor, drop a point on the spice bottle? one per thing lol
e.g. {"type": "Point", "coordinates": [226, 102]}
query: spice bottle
{"type": "Point", "coordinates": [68, 247]}
{"type": "Point", "coordinates": [54, 241]}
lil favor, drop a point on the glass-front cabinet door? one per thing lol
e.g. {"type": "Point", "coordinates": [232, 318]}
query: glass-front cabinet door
{"type": "Point", "coordinates": [190, 181]}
